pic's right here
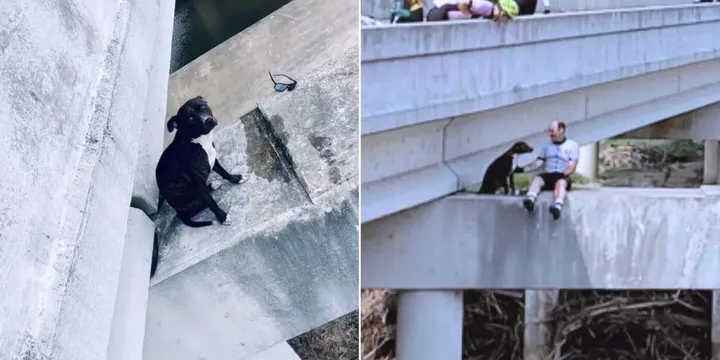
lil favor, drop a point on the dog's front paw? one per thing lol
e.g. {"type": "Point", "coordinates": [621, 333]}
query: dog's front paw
{"type": "Point", "coordinates": [237, 179]}
{"type": "Point", "coordinates": [227, 221]}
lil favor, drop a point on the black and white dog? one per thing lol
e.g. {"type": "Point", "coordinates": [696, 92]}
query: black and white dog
{"type": "Point", "coordinates": [500, 172]}
{"type": "Point", "coordinates": [184, 167]}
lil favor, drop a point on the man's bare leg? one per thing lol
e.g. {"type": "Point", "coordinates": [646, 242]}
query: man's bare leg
{"type": "Point", "coordinates": [534, 189]}
{"type": "Point", "coordinates": [560, 193]}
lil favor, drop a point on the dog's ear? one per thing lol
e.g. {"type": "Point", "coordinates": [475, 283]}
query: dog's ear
{"type": "Point", "coordinates": [171, 124]}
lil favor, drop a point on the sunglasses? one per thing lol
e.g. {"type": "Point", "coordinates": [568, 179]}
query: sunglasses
{"type": "Point", "coordinates": [280, 87]}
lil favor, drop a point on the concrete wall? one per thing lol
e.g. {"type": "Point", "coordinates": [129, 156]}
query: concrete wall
{"type": "Point", "coordinates": [75, 80]}
{"type": "Point", "coordinates": [607, 238]}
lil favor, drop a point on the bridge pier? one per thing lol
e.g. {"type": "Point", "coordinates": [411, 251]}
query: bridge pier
{"type": "Point", "coordinates": [587, 166]}
{"type": "Point", "coordinates": [537, 341]}
{"type": "Point", "coordinates": [429, 325]}
{"type": "Point", "coordinates": [710, 165]}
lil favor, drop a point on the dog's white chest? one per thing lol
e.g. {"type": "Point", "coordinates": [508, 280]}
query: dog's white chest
{"type": "Point", "coordinates": [514, 163]}
{"type": "Point", "coordinates": [206, 141]}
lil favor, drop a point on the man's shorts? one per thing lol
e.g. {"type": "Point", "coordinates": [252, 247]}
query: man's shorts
{"type": "Point", "coordinates": [550, 179]}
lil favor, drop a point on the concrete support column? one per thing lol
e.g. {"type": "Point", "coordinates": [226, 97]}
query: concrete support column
{"type": "Point", "coordinates": [715, 335]}
{"type": "Point", "coordinates": [429, 325]}
{"type": "Point", "coordinates": [587, 166]}
{"type": "Point", "coordinates": [537, 341]}
{"type": "Point", "coordinates": [710, 164]}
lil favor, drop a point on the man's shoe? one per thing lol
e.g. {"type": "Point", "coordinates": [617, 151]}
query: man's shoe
{"type": "Point", "coordinates": [555, 211]}
{"type": "Point", "coordinates": [529, 204]}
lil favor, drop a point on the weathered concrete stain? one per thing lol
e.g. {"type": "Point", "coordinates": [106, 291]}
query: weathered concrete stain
{"type": "Point", "coordinates": [74, 23]}
{"type": "Point", "coordinates": [261, 157]}
{"type": "Point", "coordinates": [323, 146]}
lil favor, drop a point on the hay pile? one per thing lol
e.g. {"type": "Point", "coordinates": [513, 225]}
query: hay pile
{"type": "Point", "coordinates": [377, 330]}
{"type": "Point", "coordinates": [492, 324]}
{"type": "Point", "coordinates": [624, 325]}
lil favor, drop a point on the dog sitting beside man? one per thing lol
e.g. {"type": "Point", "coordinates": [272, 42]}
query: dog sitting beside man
{"type": "Point", "coordinates": [559, 158]}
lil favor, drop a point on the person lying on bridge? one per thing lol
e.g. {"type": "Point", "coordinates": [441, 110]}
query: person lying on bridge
{"type": "Point", "coordinates": [472, 9]}
{"type": "Point", "coordinates": [560, 158]}
{"type": "Point", "coordinates": [415, 9]}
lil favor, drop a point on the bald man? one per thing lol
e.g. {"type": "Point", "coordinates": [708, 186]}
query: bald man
{"type": "Point", "coordinates": [560, 158]}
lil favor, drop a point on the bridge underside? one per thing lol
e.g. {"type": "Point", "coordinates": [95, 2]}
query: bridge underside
{"type": "Point", "coordinates": [607, 238]}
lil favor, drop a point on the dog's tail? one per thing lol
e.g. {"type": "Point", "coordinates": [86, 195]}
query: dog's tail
{"type": "Point", "coordinates": [196, 224]}
{"type": "Point", "coordinates": [161, 202]}
{"type": "Point", "coordinates": [154, 261]}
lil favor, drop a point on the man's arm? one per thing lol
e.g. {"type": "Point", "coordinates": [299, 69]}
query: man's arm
{"type": "Point", "coordinates": [574, 157]}
{"type": "Point", "coordinates": [536, 164]}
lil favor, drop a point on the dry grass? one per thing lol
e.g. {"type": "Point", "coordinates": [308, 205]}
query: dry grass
{"type": "Point", "coordinates": [336, 340]}
{"type": "Point", "coordinates": [624, 325]}
{"type": "Point", "coordinates": [586, 325]}
{"type": "Point", "coordinates": [492, 324]}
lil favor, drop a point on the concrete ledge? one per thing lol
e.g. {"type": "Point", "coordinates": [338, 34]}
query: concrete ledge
{"type": "Point", "coordinates": [270, 191]}
{"type": "Point", "coordinates": [317, 123]}
{"type": "Point", "coordinates": [312, 31]}
{"type": "Point", "coordinates": [288, 263]}
{"type": "Point", "coordinates": [269, 284]}
{"type": "Point", "coordinates": [74, 83]}
{"type": "Point", "coordinates": [607, 238]}
{"type": "Point", "coordinates": [281, 351]}
{"type": "Point", "coordinates": [145, 191]}
{"type": "Point", "coordinates": [128, 328]}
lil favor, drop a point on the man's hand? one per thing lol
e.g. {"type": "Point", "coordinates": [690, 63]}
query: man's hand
{"type": "Point", "coordinates": [571, 168]}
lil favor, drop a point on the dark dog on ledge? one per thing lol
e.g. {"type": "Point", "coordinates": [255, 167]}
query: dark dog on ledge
{"type": "Point", "coordinates": [500, 173]}
{"type": "Point", "coordinates": [184, 167]}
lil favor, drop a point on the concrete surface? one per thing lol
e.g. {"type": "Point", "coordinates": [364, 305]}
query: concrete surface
{"type": "Point", "coordinates": [428, 133]}
{"type": "Point", "coordinates": [319, 120]}
{"type": "Point", "coordinates": [607, 238]}
{"type": "Point", "coordinates": [128, 327]}
{"type": "Point", "coordinates": [74, 84]}
{"type": "Point", "coordinates": [538, 331]}
{"type": "Point", "coordinates": [145, 191]}
{"type": "Point", "coordinates": [281, 351]}
{"type": "Point", "coordinates": [233, 76]}
{"type": "Point", "coordinates": [288, 263]}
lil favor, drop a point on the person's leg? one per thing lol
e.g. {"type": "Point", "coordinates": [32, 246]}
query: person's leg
{"type": "Point", "coordinates": [438, 13]}
{"type": "Point", "coordinates": [415, 16]}
{"type": "Point", "coordinates": [527, 7]}
{"type": "Point", "coordinates": [535, 187]}
{"type": "Point", "coordinates": [562, 186]}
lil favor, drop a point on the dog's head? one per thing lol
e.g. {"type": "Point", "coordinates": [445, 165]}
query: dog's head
{"type": "Point", "coordinates": [521, 147]}
{"type": "Point", "coordinates": [193, 119]}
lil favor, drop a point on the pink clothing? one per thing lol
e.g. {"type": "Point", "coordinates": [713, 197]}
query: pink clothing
{"type": "Point", "coordinates": [479, 8]}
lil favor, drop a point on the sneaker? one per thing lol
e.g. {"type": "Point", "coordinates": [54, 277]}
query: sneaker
{"type": "Point", "coordinates": [555, 211]}
{"type": "Point", "coordinates": [529, 204]}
